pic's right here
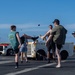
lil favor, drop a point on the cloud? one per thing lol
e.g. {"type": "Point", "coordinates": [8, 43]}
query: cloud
{"type": "Point", "coordinates": [6, 26]}
{"type": "Point", "coordinates": [34, 30]}
{"type": "Point", "coordinates": [70, 27]}
{"type": "Point", "coordinates": [21, 26]}
{"type": "Point", "coordinates": [26, 27]}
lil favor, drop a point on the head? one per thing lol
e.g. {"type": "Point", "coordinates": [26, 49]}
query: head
{"type": "Point", "coordinates": [50, 26]}
{"type": "Point", "coordinates": [73, 33]}
{"type": "Point", "coordinates": [56, 22]}
{"type": "Point", "coordinates": [13, 28]}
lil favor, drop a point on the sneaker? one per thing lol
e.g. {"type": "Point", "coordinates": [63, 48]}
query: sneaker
{"type": "Point", "coordinates": [16, 67]}
{"type": "Point", "coordinates": [58, 66]}
{"type": "Point", "coordinates": [35, 38]}
{"type": "Point", "coordinates": [48, 60]}
{"type": "Point", "coordinates": [27, 62]}
{"type": "Point", "coordinates": [21, 61]}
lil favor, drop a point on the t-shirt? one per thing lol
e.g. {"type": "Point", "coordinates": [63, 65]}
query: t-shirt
{"type": "Point", "coordinates": [13, 40]}
{"type": "Point", "coordinates": [59, 34]}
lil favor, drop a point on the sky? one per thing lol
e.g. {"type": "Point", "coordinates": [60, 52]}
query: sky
{"type": "Point", "coordinates": [27, 14]}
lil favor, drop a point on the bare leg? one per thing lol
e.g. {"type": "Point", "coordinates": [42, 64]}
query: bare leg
{"type": "Point", "coordinates": [26, 56]}
{"type": "Point", "coordinates": [16, 57]}
{"type": "Point", "coordinates": [53, 54]}
{"type": "Point", "coordinates": [48, 55]}
{"type": "Point", "coordinates": [16, 60]}
{"type": "Point", "coordinates": [53, 50]}
{"type": "Point", "coordinates": [21, 57]}
{"type": "Point", "coordinates": [58, 57]}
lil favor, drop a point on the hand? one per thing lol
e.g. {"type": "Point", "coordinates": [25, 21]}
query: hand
{"type": "Point", "coordinates": [19, 46]}
{"type": "Point", "coordinates": [42, 37]}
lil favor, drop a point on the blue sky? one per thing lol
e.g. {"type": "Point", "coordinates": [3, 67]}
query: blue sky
{"type": "Point", "coordinates": [27, 14]}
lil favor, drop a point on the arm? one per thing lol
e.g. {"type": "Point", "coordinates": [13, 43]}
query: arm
{"type": "Point", "coordinates": [52, 33]}
{"type": "Point", "coordinates": [46, 34]}
{"type": "Point", "coordinates": [18, 37]}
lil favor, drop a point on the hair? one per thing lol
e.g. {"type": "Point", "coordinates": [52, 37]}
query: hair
{"type": "Point", "coordinates": [12, 27]}
{"type": "Point", "coordinates": [22, 39]}
{"type": "Point", "coordinates": [51, 26]}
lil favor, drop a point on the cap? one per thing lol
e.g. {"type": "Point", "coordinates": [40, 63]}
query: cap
{"type": "Point", "coordinates": [73, 33]}
{"type": "Point", "coordinates": [56, 20]}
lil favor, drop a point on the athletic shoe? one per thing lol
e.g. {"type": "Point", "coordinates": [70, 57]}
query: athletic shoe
{"type": "Point", "coordinates": [21, 61]}
{"type": "Point", "coordinates": [35, 38]}
{"type": "Point", "coordinates": [16, 67]}
{"type": "Point", "coordinates": [58, 66]}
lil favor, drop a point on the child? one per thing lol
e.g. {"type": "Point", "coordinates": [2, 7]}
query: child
{"type": "Point", "coordinates": [23, 49]}
{"type": "Point", "coordinates": [24, 43]}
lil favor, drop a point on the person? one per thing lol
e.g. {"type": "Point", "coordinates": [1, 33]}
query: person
{"type": "Point", "coordinates": [51, 44]}
{"type": "Point", "coordinates": [23, 48]}
{"type": "Point", "coordinates": [15, 43]}
{"type": "Point", "coordinates": [59, 35]}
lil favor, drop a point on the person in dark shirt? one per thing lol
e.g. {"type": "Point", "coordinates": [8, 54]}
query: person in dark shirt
{"type": "Point", "coordinates": [59, 36]}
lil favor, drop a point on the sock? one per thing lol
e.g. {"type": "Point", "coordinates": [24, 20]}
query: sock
{"type": "Point", "coordinates": [48, 59]}
{"type": "Point", "coordinates": [16, 63]}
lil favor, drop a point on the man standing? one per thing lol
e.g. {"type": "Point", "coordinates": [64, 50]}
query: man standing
{"type": "Point", "coordinates": [15, 43]}
{"type": "Point", "coordinates": [59, 35]}
{"type": "Point", "coordinates": [50, 45]}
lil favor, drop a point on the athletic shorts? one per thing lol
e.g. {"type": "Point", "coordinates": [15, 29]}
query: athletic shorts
{"type": "Point", "coordinates": [23, 48]}
{"type": "Point", "coordinates": [16, 51]}
{"type": "Point", "coordinates": [59, 46]}
{"type": "Point", "coordinates": [51, 47]}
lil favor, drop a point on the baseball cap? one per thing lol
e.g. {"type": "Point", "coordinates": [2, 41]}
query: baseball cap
{"type": "Point", "coordinates": [56, 20]}
{"type": "Point", "coordinates": [73, 33]}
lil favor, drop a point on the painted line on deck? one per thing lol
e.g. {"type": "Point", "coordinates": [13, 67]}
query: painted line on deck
{"type": "Point", "coordinates": [5, 62]}
{"type": "Point", "coordinates": [31, 69]}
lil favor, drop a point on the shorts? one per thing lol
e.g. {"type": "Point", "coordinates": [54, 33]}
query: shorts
{"type": "Point", "coordinates": [59, 46]}
{"type": "Point", "coordinates": [23, 48]}
{"type": "Point", "coordinates": [51, 47]}
{"type": "Point", "coordinates": [16, 51]}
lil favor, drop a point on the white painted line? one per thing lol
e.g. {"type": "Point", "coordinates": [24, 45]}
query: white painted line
{"type": "Point", "coordinates": [31, 69]}
{"type": "Point", "coordinates": [4, 62]}
{"type": "Point", "coordinates": [70, 60]}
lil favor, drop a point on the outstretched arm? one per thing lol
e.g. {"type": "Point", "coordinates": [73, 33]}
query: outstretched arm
{"type": "Point", "coordinates": [46, 34]}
